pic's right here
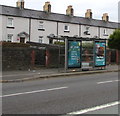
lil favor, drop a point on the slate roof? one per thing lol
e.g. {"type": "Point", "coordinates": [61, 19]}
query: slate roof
{"type": "Point", "coordinates": [42, 15]}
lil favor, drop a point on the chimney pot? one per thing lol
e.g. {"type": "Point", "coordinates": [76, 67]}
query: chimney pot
{"type": "Point", "coordinates": [88, 14]}
{"type": "Point", "coordinates": [20, 4]}
{"type": "Point", "coordinates": [47, 7]}
{"type": "Point", "coordinates": [70, 10]}
{"type": "Point", "coordinates": [105, 17]}
{"type": "Point", "coordinates": [89, 10]}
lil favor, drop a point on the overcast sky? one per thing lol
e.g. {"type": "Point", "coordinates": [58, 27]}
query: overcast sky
{"type": "Point", "coordinates": [80, 6]}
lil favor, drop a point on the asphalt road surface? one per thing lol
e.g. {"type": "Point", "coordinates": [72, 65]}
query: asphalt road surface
{"type": "Point", "coordinates": [82, 94]}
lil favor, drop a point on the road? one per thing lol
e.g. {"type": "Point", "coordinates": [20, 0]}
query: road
{"type": "Point", "coordinates": [62, 95]}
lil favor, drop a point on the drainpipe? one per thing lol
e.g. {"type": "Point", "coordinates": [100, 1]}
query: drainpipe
{"type": "Point", "coordinates": [99, 32]}
{"type": "Point", "coordinates": [29, 29]}
{"type": "Point", "coordinates": [79, 30]}
{"type": "Point", "coordinates": [57, 28]}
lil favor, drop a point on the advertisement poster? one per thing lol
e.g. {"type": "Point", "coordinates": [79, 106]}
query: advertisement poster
{"type": "Point", "coordinates": [100, 53]}
{"type": "Point", "coordinates": [74, 58]}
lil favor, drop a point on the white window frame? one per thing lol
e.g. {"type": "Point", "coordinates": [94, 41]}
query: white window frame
{"type": "Point", "coordinates": [41, 25]}
{"type": "Point", "coordinates": [87, 30]}
{"type": "Point", "coordinates": [40, 40]}
{"type": "Point", "coordinates": [66, 30]}
{"type": "Point", "coordinates": [105, 32]}
{"type": "Point", "coordinates": [9, 37]}
{"type": "Point", "coordinates": [10, 22]}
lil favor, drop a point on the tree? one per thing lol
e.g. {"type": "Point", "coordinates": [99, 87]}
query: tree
{"type": "Point", "coordinates": [114, 40]}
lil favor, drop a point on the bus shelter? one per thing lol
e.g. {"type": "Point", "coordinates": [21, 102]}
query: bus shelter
{"type": "Point", "coordinates": [84, 53]}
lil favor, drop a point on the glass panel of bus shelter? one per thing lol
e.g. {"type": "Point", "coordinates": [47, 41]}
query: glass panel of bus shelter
{"type": "Point", "coordinates": [87, 54]}
{"type": "Point", "coordinates": [100, 53]}
{"type": "Point", "coordinates": [74, 54]}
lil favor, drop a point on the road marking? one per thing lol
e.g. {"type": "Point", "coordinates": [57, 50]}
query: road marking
{"type": "Point", "coordinates": [94, 108]}
{"type": "Point", "coordinates": [37, 91]}
{"type": "Point", "coordinates": [108, 81]}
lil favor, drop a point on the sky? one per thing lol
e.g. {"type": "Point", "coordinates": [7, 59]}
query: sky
{"type": "Point", "coordinates": [80, 6]}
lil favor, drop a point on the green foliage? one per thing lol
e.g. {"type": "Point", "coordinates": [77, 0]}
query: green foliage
{"type": "Point", "coordinates": [59, 43]}
{"type": "Point", "coordinates": [114, 40]}
{"type": "Point", "coordinates": [9, 44]}
{"type": "Point", "coordinates": [87, 45]}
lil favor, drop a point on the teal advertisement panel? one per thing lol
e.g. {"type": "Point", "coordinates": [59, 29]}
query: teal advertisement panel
{"type": "Point", "coordinates": [100, 53]}
{"type": "Point", "coordinates": [74, 55]}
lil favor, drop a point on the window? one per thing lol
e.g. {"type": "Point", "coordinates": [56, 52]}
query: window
{"type": "Point", "coordinates": [87, 30]}
{"type": "Point", "coordinates": [9, 37]}
{"type": "Point", "coordinates": [10, 22]}
{"type": "Point", "coordinates": [50, 41]}
{"type": "Point", "coordinates": [105, 32]}
{"type": "Point", "coordinates": [41, 26]}
{"type": "Point", "coordinates": [40, 40]}
{"type": "Point", "coordinates": [66, 28]}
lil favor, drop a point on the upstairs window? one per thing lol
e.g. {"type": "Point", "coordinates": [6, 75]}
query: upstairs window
{"type": "Point", "coordinates": [105, 32]}
{"type": "Point", "coordinates": [41, 26]}
{"type": "Point", "coordinates": [9, 38]}
{"type": "Point", "coordinates": [10, 22]}
{"type": "Point", "coordinates": [87, 30]}
{"type": "Point", "coordinates": [66, 28]}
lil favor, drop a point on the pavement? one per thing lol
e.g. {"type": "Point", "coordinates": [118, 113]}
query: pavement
{"type": "Point", "coordinates": [19, 76]}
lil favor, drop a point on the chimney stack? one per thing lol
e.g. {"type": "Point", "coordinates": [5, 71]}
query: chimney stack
{"type": "Point", "coordinates": [105, 17]}
{"type": "Point", "coordinates": [20, 4]}
{"type": "Point", "coordinates": [70, 10]}
{"type": "Point", "coordinates": [47, 7]}
{"type": "Point", "coordinates": [88, 14]}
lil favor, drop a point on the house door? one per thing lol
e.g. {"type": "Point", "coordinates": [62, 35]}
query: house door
{"type": "Point", "coordinates": [22, 39]}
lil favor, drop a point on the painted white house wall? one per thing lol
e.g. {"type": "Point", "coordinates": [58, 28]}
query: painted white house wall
{"type": "Point", "coordinates": [4, 29]}
{"type": "Point", "coordinates": [93, 31]}
{"type": "Point", "coordinates": [19, 25]}
{"type": "Point", "coordinates": [1, 29]}
{"type": "Point", "coordinates": [49, 27]}
{"type": "Point", "coordinates": [105, 32]}
{"type": "Point", "coordinates": [73, 29]}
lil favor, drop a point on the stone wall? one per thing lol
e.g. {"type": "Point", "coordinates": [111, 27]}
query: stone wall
{"type": "Point", "coordinates": [31, 56]}
{"type": "Point", "coordinates": [16, 58]}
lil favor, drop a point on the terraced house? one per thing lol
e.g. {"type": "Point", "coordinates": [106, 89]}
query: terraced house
{"type": "Point", "coordinates": [19, 24]}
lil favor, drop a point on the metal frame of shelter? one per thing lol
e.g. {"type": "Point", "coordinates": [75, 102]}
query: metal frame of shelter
{"type": "Point", "coordinates": [98, 61]}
